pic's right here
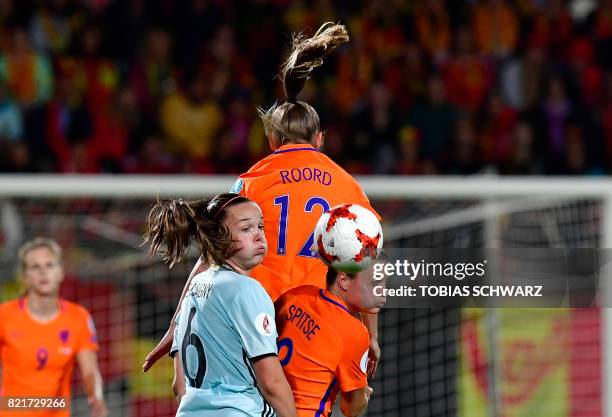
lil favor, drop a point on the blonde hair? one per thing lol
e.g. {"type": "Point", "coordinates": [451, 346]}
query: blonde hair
{"type": "Point", "coordinates": [39, 242]}
{"type": "Point", "coordinates": [297, 121]}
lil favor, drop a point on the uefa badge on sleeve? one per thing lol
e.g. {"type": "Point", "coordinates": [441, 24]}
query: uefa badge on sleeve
{"type": "Point", "coordinates": [237, 187]}
{"type": "Point", "coordinates": [363, 363]}
{"type": "Point", "coordinates": [265, 324]}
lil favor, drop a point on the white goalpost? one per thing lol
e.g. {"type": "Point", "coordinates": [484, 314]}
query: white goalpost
{"type": "Point", "coordinates": [424, 366]}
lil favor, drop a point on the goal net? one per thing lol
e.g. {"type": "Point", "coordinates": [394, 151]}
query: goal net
{"type": "Point", "coordinates": [438, 362]}
{"type": "Point", "coordinates": [489, 362]}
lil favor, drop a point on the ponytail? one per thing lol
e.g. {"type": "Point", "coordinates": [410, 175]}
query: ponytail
{"type": "Point", "coordinates": [307, 54]}
{"type": "Point", "coordinates": [176, 224]}
{"type": "Point", "coordinates": [296, 121]}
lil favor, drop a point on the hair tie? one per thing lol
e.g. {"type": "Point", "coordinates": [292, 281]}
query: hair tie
{"type": "Point", "coordinates": [224, 205]}
{"type": "Point", "coordinates": [292, 100]}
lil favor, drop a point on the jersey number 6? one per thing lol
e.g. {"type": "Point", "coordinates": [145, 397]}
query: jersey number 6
{"type": "Point", "coordinates": [283, 202]}
{"type": "Point", "coordinates": [193, 340]}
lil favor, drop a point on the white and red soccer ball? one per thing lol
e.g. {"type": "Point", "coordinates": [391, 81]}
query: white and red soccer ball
{"type": "Point", "coordinates": [348, 238]}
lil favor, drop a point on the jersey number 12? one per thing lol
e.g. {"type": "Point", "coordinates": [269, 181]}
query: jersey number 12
{"type": "Point", "coordinates": [283, 202]}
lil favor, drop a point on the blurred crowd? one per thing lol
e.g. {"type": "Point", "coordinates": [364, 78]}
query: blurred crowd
{"type": "Point", "coordinates": [424, 87]}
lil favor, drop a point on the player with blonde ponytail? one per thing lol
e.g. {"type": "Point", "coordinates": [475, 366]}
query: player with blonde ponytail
{"type": "Point", "coordinates": [295, 184]}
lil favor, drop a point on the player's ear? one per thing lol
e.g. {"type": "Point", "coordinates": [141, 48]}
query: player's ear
{"type": "Point", "coordinates": [343, 281]}
{"type": "Point", "coordinates": [273, 143]}
{"type": "Point", "coordinates": [318, 140]}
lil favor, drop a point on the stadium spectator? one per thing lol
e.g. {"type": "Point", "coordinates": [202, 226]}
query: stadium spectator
{"type": "Point", "coordinates": [101, 74]}
{"type": "Point", "coordinates": [191, 120]}
{"type": "Point", "coordinates": [110, 135]}
{"type": "Point", "coordinates": [434, 119]}
{"type": "Point", "coordinates": [602, 32]}
{"type": "Point", "coordinates": [467, 75]}
{"type": "Point", "coordinates": [51, 27]}
{"type": "Point", "coordinates": [433, 29]}
{"type": "Point", "coordinates": [413, 69]}
{"type": "Point", "coordinates": [241, 126]}
{"type": "Point", "coordinates": [495, 123]}
{"type": "Point", "coordinates": [196, 22]}
{"type": "Point", "coordinates": [495, 27]}
{"type": "Point", "coordinates": [552, 26]}
{"type": "Point", "coordinates": [409, 149]}
{"type": "Point", "coordinates": [521, 78]}
{"type": "Point", "coordinates": [70, 123]}
{"type": "Point", "coordinates": [556, 109]}
{"type": "Point", "coordinates": [465, 156]}
{"type": "Point", "coordinates": [377, 124]}
{"type": "Point", "coordinates": [575, 157]}
{"type": "Point", "coordinates": [521, 159]}
{"type": "Point", "coordinates": [16, 158]}
{"type": "Point", "coordinates": [11, 118]}
{"type": "Point", "coordinates": [27, 73]}
{"type": "Point", "coordinates": [586, 74]}
{"type": "Point", "coordinates": [153, 76]}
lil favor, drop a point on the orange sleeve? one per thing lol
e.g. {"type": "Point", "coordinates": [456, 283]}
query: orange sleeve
{"type": "Point", "coordinates": [351, 371]}
{"type": "Point", "coordinates": [88, 338]}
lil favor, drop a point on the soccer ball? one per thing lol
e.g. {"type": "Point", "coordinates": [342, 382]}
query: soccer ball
{"type": "Point", "coordinates": [348, 238]}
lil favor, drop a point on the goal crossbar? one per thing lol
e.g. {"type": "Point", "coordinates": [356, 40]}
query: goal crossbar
{"type": "Point", "coordinates": [376, 187]}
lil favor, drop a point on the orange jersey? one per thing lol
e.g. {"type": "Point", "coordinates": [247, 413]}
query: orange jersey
{"type": "Point", "coordinates": [37, 359]}
{"type": "Point", "coordinates": [323, 348]}
{"type": "Point", "coordinates": [294, 186]}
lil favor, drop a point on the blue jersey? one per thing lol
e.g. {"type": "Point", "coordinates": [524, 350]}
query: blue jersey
{"type": "Point", "coordinates": [226, 320]}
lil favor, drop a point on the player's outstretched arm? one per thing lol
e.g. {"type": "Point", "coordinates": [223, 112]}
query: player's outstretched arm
{"type": "Point", "coordinates": [274, 386]}
{"type": "Point", "coordinates": [178, 384]}
{"type": "Point", "coordinates": [92, 380]}
{"type": "Point", "coordinates": [353, 403]}
{"type": "Point", "coordinates": [164, 345]}
{"type": "Point", "coordinates": [371, 323]}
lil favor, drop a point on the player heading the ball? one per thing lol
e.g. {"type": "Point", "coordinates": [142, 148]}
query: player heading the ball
{"type": "Point", "coordinates": [323, 346]}
{"type": "Point", "coordinates": [295, 184]}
